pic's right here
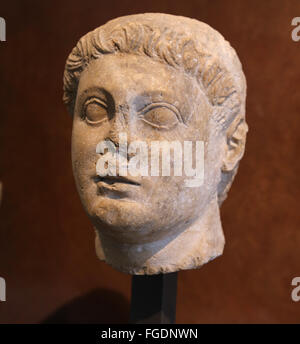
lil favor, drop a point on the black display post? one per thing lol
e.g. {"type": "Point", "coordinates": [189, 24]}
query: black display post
{"type": "Point", "coordinates": [153, 299]}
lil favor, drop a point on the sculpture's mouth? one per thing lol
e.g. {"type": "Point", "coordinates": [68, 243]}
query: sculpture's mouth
{"type": "Point", "coordinates": [111, 180]}
{"type": "Point", "coordinates": [116, 187]}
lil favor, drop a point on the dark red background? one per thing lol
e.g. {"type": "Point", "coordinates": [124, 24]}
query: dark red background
{"type": "Point", "coordinates": [46, 240]}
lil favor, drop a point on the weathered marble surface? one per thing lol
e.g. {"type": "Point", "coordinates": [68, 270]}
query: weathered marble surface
{"type": "Point", "coordinates": [114, 75]}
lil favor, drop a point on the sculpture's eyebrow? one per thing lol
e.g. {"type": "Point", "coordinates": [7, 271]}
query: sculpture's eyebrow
{"type": "Point", "coordinates": [146, 98]}
{"type": "Point", "coordinates": [94, 91]}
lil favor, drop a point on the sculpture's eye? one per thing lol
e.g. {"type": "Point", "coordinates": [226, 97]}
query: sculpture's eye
{"type": "Point", "coordinates": [161, 115]}
{"type": "Point", "coordinates": [95, 111]}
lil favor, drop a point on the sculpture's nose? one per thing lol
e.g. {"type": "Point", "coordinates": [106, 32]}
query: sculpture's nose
{"type": "Point", "coordinates": [121, 125]}
{"type": "Point", "coordinates": [122, 132]}
{"type": "Point", "coordinates": [117, 127]}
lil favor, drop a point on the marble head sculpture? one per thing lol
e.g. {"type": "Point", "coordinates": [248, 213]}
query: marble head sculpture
{"type": "Point", "coordinates": [137, 81]}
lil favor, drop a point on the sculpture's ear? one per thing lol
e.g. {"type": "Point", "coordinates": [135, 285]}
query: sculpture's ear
{"type": "Point", "coordinates": [236, 139]}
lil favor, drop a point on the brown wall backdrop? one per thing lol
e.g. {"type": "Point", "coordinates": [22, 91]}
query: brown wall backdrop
{"type": "Point", "coordinates": [46, 240]}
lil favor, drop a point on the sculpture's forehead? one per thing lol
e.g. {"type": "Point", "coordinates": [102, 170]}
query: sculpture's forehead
{"type": "Point", "coordinates": [127, 76]}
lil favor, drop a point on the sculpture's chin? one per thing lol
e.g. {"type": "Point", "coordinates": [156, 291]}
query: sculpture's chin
{"type": "Point", "coordinates": [134, 222]}
{"type": "Point", "coordinates": [199, 243]}
{"type": "Point", "coordinates": [124, 220]}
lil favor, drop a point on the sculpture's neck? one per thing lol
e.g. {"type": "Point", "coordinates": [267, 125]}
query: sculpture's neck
{"type": "Point", "coordinates": [198, 244]}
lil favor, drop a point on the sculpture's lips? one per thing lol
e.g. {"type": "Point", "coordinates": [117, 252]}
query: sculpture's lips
{"type": "Point", "coordinates": [110, 180]}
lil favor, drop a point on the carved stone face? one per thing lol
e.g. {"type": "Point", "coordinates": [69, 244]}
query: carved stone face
{"type": "Point", "coordinates": [148, 101]}
{"type": "Point", "coordinates": [148, 223]}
